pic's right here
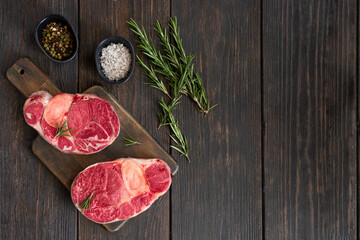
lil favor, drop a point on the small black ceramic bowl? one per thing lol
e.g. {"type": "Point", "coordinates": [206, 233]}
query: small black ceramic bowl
{"type": "Point", "coordinates": [104, 44]}
{"type": "Point", "coordinates": [57, 19]}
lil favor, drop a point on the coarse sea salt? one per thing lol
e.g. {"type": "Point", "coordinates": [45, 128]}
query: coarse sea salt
{"type": "Point", "coordinates": [115, 61]}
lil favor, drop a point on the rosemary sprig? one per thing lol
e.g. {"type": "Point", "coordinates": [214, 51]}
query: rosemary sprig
{"type": "Point", "coordinates": [171, 66]}
{"type": "Point", "coordinates": [178, 69]}
{"type": "Point", "coordinates": [163, 117]}
{"type": "Point", "coordinates": [154, 81]}
{"type": "Point", "coordinates": [149, 50]}
{"type": "Point", "coordinates": [178, 87]}
{"type": "Point", "coordinates": [169, 49]}
{"type": "Point", "coordinates": [62, 129]}
{"type": "Point", "coordinates": [177, 57]}
{"type": "Point", "coordinates": [162, 66]}
{"type": "Point", "coordinates": [176, 82]}
{"type": "Point", "coordinates": [86, 203]}
{"type": "Point", "coordinates": [175, 33]}
{"type": "Point", "coordinates": [181, 144]}
{"type": "Point", "coordinates": [129, 141]}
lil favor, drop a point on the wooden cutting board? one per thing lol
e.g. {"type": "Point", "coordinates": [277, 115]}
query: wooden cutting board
{"type": "Point", "coordinates": [28, 78]}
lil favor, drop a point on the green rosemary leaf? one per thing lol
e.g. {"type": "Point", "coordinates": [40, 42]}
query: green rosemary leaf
{"type": "Point", "coordinates": [168, 47]}
{"type": "Point", "coordinates": [175, 33]}
{"type": "Point", "coordinates": [86, 203]}
{"type": "Point", "coordinates": [61, 130]}
{"type": "Point", "coordinates": [195, 88]}
{"type": "Point", "coordinates": [129, 141]}
{"type": "Point", "coordinates": [173, 137]}
{"type": "Point", "coordinates": [154, 81]}
{"type": "Point", "coordinates": [177, 149]}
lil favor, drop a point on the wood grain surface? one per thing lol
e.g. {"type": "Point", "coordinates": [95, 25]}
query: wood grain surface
{"type": "Point", "coordinates": [226, 145]}
{"type": "Point", "coordinates": [276, 159]}
{"type": "Point", "coordinates": [310, 119]}
{"type": "Point", "coordinates": [34, 204]}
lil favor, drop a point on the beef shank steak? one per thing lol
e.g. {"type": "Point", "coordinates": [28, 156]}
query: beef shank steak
{"type": "Point", "coordinates": [88, 123]}
{"type": "Point", "coordinates": [120, 189]}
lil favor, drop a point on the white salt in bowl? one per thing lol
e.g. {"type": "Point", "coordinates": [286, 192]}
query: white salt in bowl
{"type": "Point", "coordinates": [98, 52]}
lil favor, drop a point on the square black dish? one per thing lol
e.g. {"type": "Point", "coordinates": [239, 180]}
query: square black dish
{"type": "Point", "coordinates": [64, 22]}
{"type": "Point", "coordinates": [103, 44]}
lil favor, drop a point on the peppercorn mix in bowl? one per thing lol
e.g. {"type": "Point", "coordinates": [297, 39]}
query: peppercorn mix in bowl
{"type": "Point", "coordinates": [56, 38]}
{"type": "Point", "coordinates": [115, 60]}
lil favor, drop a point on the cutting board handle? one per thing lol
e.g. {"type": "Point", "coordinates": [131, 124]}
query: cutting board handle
{"type": "Point", "coordinates": [28, 78]}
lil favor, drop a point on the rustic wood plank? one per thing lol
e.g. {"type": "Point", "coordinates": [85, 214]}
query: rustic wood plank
{"type": "Point", "coordinates": [96, 24]}
{"type": "Point", "coordinates": [220, 192]}
{"type": "Point", "coordinates": [35, 205]}
{"type": "Point", "coordinates": [310, 119]}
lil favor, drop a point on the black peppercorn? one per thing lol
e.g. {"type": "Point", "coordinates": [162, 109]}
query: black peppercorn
{"type": "Point", "coordinates": [57, 40]}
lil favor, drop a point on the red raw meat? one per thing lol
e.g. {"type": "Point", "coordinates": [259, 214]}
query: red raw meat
{"type": "Point", "coordinates": [93, 122]}
{"type": "Point", "coordinates": [120, 189]}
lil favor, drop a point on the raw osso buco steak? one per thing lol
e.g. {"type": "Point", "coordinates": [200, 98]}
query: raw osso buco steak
{"type": "Point", "coordinates": [80, 123]}
{"type": "Point", "coordinates": [120, 189]}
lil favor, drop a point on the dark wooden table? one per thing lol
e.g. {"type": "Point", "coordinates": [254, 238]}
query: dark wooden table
{"type": "Point", "coordinates": [276, 159]}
